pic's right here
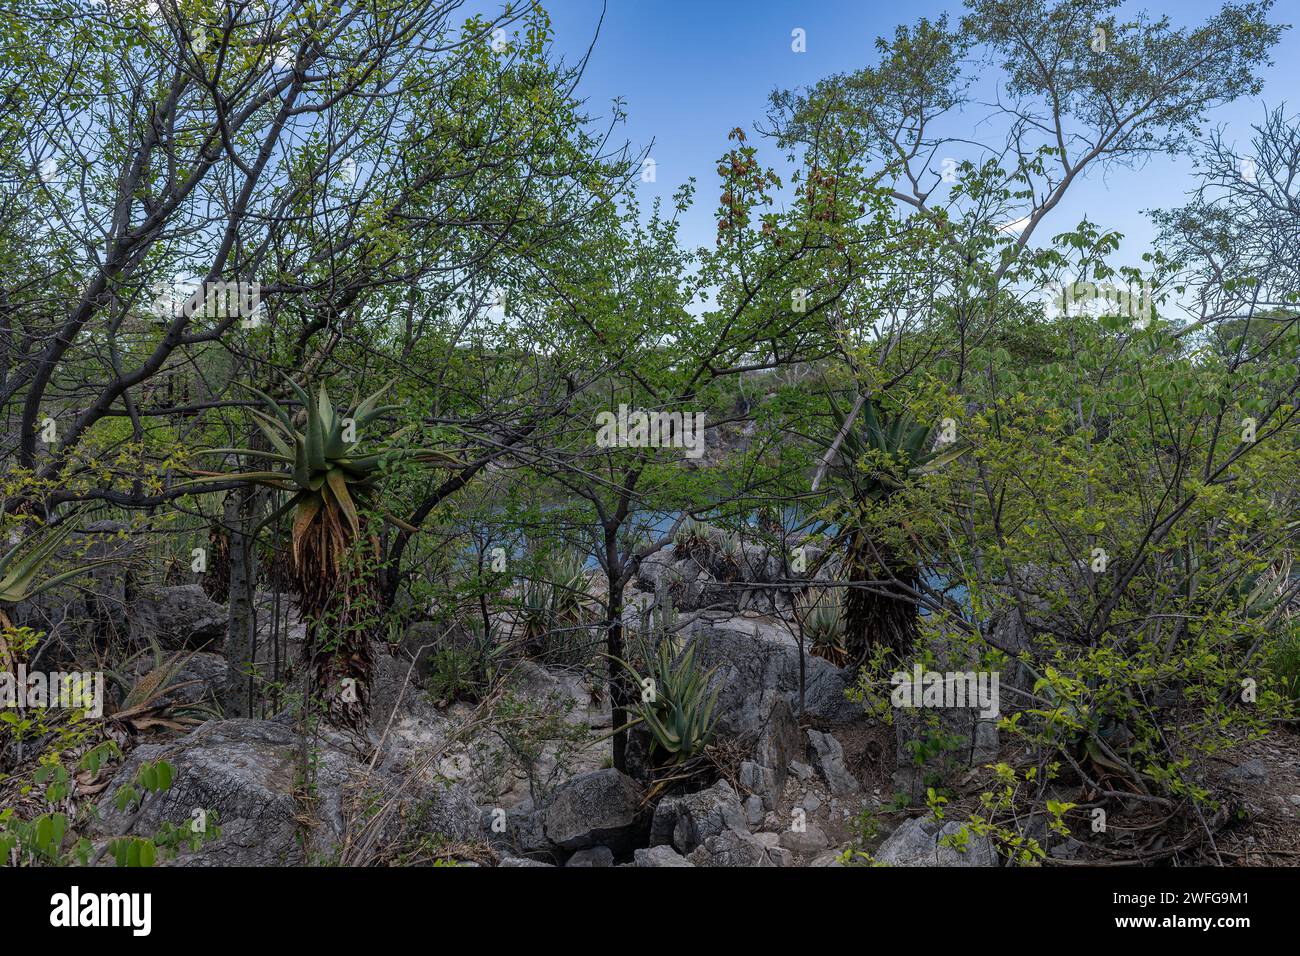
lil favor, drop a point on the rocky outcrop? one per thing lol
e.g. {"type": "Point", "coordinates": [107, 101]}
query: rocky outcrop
{"type": "Point", "coordinates": [400, 716]}
{"type": "Point", "coordinates": [779, 741]}
{"type": "Point", "coordinates": [410, 724]}
{"type": "Point", "coordinates": [716, 579]}
{"type": "Point", "coordinates": [520, 828]}
{"type": "Point", "coordinates": [244, 775]}
{"type": "Point", "coordinates": [248, 774]}
{"type": "Point", "coordinates": [757, 662]}
{"type": "Point", "coordinates": [241, 772]}
{"type": "Point", "coordinates": [807, 840]}
{"type": "Point", "coordinates": [568, 689]}
{"type": "Point", "coordinates": [1250, 773]}
{"type": "Point", "coordinates": [827, 756]}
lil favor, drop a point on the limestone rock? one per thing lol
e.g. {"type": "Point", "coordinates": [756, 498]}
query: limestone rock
{"type": "Point", "coordinates": [662, 855]}
{"type": "Point", "coordinates": [687, 821]}
{"type": "Point", "coordinates": [828, 757]}
{"type": "Point", "coordinates": [600, 807]}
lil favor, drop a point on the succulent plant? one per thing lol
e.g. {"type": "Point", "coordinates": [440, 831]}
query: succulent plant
{"type": "Point", "coordinates": [468, 671]}
{"type": "Point", "coordinates": [681, 716]}
{"type": "Point", "coordinates": [694, 539]}
{"type": "Point", "coordinates": [676, 706]}
{"type": "Point", "coordinates": [22, 567]}
{"type": "Point", "coordinates": [895, 446]}
{"type": "Point", "coordinates": [823, 625]}
{"type": "Point", "coordinates": [881, 452]}
{"type": "Point", "coordinates": [731, 556]}
{"type": "Point", "coordinates": [322, 464]}
{"type": "Point", "coordinates": [332, 483]}
{"type": "Point", "coordinates": [554, 610]}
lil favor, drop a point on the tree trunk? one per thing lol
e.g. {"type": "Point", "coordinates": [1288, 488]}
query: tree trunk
{"type": "Point", "coordinates": [872, 618]}
{"type": "Point", "coordinates": [239, 516]}
{"type": "Point", "coordinates": [338, 596]}
{"type": "Point", "coordinates": [618, 697]}
{"type": "Point", "coordinates": [618, 690]}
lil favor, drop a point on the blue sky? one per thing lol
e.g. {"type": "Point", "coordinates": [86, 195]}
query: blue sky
{"type": "Point", "coordinates": [691, 71]}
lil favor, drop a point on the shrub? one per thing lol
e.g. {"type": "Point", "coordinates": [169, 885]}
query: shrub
{"type": "Point", "coordinates": [465, 673]}
{"type": "Point", "coordinates": [694, 539]}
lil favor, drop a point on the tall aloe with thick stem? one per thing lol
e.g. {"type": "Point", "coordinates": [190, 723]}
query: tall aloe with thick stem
{"type": "Point", "coordinates": [880, 453]}
{"type": "Point", "coordinates": [333, 487]}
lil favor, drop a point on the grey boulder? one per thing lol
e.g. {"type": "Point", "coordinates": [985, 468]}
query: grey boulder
{"type": "Point", "coordinates": [592, 856]}
{"type": "Point", "coordinates": [916, 843]}
{"type": "Point", "coordinates": [689, 820]}
{"type": "Point", "coordinates": [245, 774]}
{"type": "Point", "coordinates": [758, 662]}
{"type": "Point", "coordinates": [730, 848]}
{"type": "Point", "coordinates": [806, 842]}
{"type": "Point", "coordinates": [660, 856]}
{"type": "Point", "coordinates": [600, 807]}
{"type": "Point", "coordinates": [177, 618]}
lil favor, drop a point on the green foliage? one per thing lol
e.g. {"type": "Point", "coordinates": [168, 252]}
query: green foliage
{"type": "Point", "coordinates": [48, 839]}
{"type": "Point", "coordinates": [539, 738]}
{"type": "Point", "coordinates": [1284, 666]}
{"type": "Point", "coordinates": [24, 568]}
{"type": "Point", "coordinates": [465, 672]}
{"type": "Point", "coordinates": [153, 779]}
{"type": "Point", "coordinates": [996, 818]}
{"type": "Point", "coordinates": [1080, 435]}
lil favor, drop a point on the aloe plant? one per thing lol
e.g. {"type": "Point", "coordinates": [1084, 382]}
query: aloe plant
{"type": "Point", "coordinates": [322, 464]}
{"type": "Point", "coordinates": [823, 624]}
{"type": "Point", "coordinates": [1264, 593]}
{"type": "Point", "coordinates": [333, 483]}
{"type": "Point", "coordinates": [22, 575]}
{"type": "Point", "coordinates": [881, 452]}
{"type": "Point", "coordinates": [731, 556]}
{"type": "Point", "coordinates": [553, 612]}
{"type": "Point", "coordinates": [22, 566]}
{"type": "Point", "coordinates": [693, 539]}
{"type": "Point", "coordinates": [676, 706]}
